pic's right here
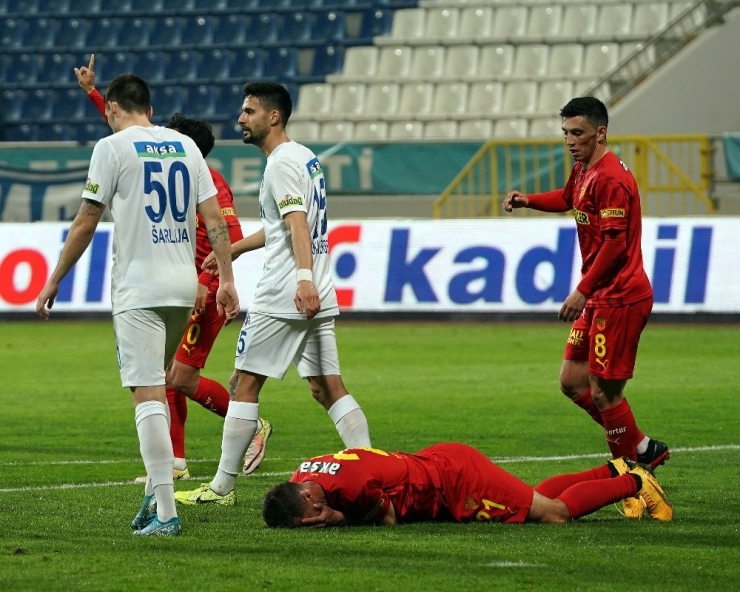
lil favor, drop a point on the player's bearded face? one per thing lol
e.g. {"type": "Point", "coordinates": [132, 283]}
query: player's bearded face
{"type": "Point", "coordinates": [581, 137]}
{"type": "Point", "coordinates": [254, 121]}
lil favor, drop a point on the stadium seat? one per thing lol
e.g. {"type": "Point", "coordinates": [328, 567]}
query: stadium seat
{"type": "Point", "coordinates": [166, 32]}
{"type": "Point", "coordinates": [450, 100]}
{"type": "Point", "coordinates": [281, 62]}
{"type": "Point", "coordinates": [22, 68]}
{"type": "Point", "coordinates": [337, 131]}
{"type": "Point", "coordinates": [243, 4]}
{"type": "Point", "coordinates": [375, 23]}
{"type": "Point", "coordinates": [475, 23]}
{"type": "Point", "coordinates": [509, 22]}
{"type": "Point", "coordinates": [545, 127]}
{"type": "Point", "coordinates": [166, 100]}
{"type": "Point", "coordinates": [72, 34]}
{"type": "Point", "coordinates": [531, 61]}
{"type": "Point", "coordinates": [647, 54]}
{"type": "Point", "coordinates": [58, 69]}
{"type": "Point", "coordinates": [92, 132]}
{"type": "Point", "coordinates": [360, 63]}
{"type": "Point", "coordinates": [12, 104]}
{"type": "Point", "coordinates": [151, 66]}
{"type": "Point", "coordinates": [329, 27]}
{"type": "Point", "coordinates": [273, 4]}
{"type": "Point", "coordinates": [408, 25]}
{"type": "Point", "coordinates": [116, 63]}
{"type": "Point", "coordinates": [510, 128]}
{"type": "Point", "coordinates": [71, 105]}
{"type": "Point", "coordinates": [200, 101]}
{"type": "Point", "coordinates": [461, 62]}
{"type": "Point", "coordinates": [232, 29]}
{"type": "Point", "coordinates": [183, 5]}
{"type": "Point", "coordinates": [416, 99]}
{"type": "Point", "coordinates": [544, 22]}
{"type": "Point", "coordinates": [39, 35]}
{"type": "Point", "coordinates": [145, 5]}
{"type": "Point", "coordinates": [208, 5]}
{"type": "Point", "coordinates": [296, 28]}
{"type": "Point", "coordinates": [198, 31]}
{"type": "Point", "coordinates": [406, 130]}
{"type": "Point", "coordinates": [600, 58]}
{"type": "Point", "coordinates": [263, 30]}
{"type": "Point", "coordinates": [649, 19]}
{"type": "Point", "coordinates": [38, 105]}
{"type": "Point", "coordinates": [579, 22]}
{"type": "Point", "coordinates": [103, 34]}
{"type": "Point", "coordinates": [89, 7]}
{"type": "Point", "coordinates": [182, 65]}
{"type": "Point", "coordinates": [56, 7]}
{"type": "Point", "coordinates": [303, 131]}
{"type": "Point", "coordinates": [520, 97]}
{"type": "Point", "coordinates": [475, 129]}
{"type": "Point", "coordinates": [427, 62]}
{"type": "Point", "coordinates": [394, 62]}
{"type": "Point", "coordinates": [327, 60]}
{"type": "Point", "coordinates": [58, 132]}
{"type": "Point", "coordinates": [348, 99]}
{"type": "Point", "coordinates": [314, 101]}
{"type": "Point", "coordinates": [370, 131]}
{"type": "Point", "coordinates": [21, 133]}
{"type": "Point", "coordinates": [485, 100]}
{"type": "Point", "coordinates": [441, 25]}
{"type": "Point", "coordinates": [615, 20]}
{"type": "Point", "coordinates": [381, 99]}
{"type": "Point", "coordinates": [215, 64]}
{"type": "Point", "coordinates": [566, 60]}
{"type": "Point", "coordinates": [230, 130]}
{"type": "Point", "coordinates": [582, 88]}
{"type": "Point", "coordinates": [229, 101]}
{"type": "Point", "coordinates": [24, 7]}
{"type": "Point", "coordinates": [496, 61]}
{"type": "Point", "coordinates": [135, 33]}
{"type": "Point", "coordinates": [12, 33]}
{"type": "Point", "coordinates": [553, 95]}
{"type": "Point", "coordinates": [440, 130]}
{"type": "Point", "coordinates": [248, 64]}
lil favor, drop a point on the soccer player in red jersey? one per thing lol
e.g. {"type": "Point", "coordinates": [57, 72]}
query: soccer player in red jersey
{"type": "Point", "coordinates": [610, 306]}
{"type": "Point", "coordinates": [446, 482]}
{"type": "Point", "coordinates": [184, 374]}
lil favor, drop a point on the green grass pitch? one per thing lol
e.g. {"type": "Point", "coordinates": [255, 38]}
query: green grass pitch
{"type": "Point", "coordinates": [69, 453]}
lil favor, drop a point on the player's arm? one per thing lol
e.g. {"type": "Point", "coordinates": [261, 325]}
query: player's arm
{"type": "Point", "coordinates": [550, 201]}
{"type": "Point", "coordinates": [306, 297]}
{"type": "Point", "coordinates": [390, 517]}
{"type": "Point", "coordinates": [254, 241]}
{"type": "Point", "coordinates": [86, 79]}
{"type": "Point", "coordinates": [79, 236]}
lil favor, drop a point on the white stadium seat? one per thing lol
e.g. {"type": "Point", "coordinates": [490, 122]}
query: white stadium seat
{"type": "Point", "coordinates": [510, 128]}
{"type": "Point", "coordinates": [461, 62]}
{"type": "Point", "coordinates": [553, 96]}
{"type": "Point", "coordinates": [531, 61]}
{"type": "Point", "coordinates": [408, 25]}
{"type": "Point", "coordinates": [427, 62]}
{"type": "Point", "coordinates": [337, 131]}
{"type": "Point", "coordinates": [485, 99]}
{"type": "Point", "coordinates": [303, 131]}
{"type": "Point", "coordinates": [627, 49]}
{"type": "Point", "coordinates": [440, 130]}
{"type": "Point", "coordinates": [475, 23]}
{"type": "Point", "coordinates": [349, 99]}
{"type": "Point", "coordinates": [381, 98]}
{"type": "Point", "coordinates": [615, 20]}
{"type": "Point", "coordinates": [476, 129]}
{"type": "Point", "coordinates": [566, 60]}
{"type": "Point", "coordinates": [544, 21]}
{"type": "Point", "coordinates": [441, 24]}
{"type": "Point", "coordinates": [579, 21]}
{"type": "Point", "coordinates": [406, 130]}
{"type": "Point", "coordinates": [416, 99]}
{"type": "Point", "coordinates": [545, 127]}
{"type": "Point", "coordinates": [520, 97]}
{"type": "Point", "coordinates": [369, 130]}
{"type": "Point", "coordinates": [649, 19]}
{"type": "Point", "coordinates": [394, 62]}
{"type": "Point", "coordinates": [450, 99]}
{"type": "Point", "coordinates": [600, 58]}
{"type": "Point", "coordinates": [509, 22]}
{"type": "Point", "coordinates": [496, 61]}
{"type": "Point", "coordinates": [314, 100]}
{"type": "Point", "coordinates": [360, 63]}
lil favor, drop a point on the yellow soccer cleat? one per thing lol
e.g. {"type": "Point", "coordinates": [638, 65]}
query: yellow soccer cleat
{"type": "Point", "coordinates": [652, 495]}
{"type": "Point", "coordinates": [632, 507]}
{"type": "Point", "coordinates": [177, 475]}
{"type": "Point", "coordinates": [204, 495]}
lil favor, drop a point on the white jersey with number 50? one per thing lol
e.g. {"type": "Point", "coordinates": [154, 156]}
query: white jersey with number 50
{"type": "Point", "coordinates": [152, 178]}
{"type": "Point", "coordinates": [293, 182]}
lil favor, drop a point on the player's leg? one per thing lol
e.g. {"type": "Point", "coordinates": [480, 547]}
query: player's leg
{"type": "Point", "coordinates": [574, 377]}
{"type": "Point", "coordinates": [317, 360]}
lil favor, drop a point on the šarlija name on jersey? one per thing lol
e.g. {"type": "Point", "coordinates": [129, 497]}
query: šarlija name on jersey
{"type": "Point", "coordinates": [170, 235]}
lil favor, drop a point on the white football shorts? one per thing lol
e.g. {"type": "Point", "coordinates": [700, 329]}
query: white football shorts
{"type": "Point", "coordinates": [146, 340]}
{"type": "Point", "coordinates": [268, 345]}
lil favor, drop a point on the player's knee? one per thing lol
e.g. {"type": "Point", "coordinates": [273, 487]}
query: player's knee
{"type": "Point", "coordinates": [185, 380]}
{"type": "Point", "coordinates": [556, 513]}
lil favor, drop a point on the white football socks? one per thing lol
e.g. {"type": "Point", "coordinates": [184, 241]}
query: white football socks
{"type": "Point", "coordinates": [240, 426]}
{"type": "Point", "coordinates": [156, 451]}
{"type": "Point", "coordinates": [350, 422]}
{"type": "Point", "coordinates": [643, 445]}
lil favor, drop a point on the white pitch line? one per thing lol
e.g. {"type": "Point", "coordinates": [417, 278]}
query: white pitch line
{"type": "Point", "coordinates": [499, 460]}
{"type": "Point", "coordinates": [514, 564]}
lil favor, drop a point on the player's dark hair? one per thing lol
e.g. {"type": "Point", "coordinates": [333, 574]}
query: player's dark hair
{"type": "Point", "coordinates": [282, 503]}
{"type": "Point", "coordinates": [272, 95]}
{"type": "Point", "coordinates": [199, 130]}
{"type": "Point", "coordinates": [590, 107]}
{"type": "Point", "coordinates": [131, 92]}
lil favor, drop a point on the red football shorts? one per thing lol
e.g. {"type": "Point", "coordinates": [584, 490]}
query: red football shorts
{"type": "Point", "coordinates": [474, 488]}
{"type": "Point", "coordinates": [200, 335]}
{"type": "Point", "coordinates": [608, 339]}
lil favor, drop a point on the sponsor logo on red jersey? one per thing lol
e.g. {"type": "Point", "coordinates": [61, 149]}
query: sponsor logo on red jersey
{"type": "Point", "coordinates": [612, 213]}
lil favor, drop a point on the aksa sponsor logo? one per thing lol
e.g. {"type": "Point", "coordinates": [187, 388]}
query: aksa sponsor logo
{"type": "Point", "coordinates": [290, 200]}
{"type": "Point", "coordinates": [581, 217]}
{"type": "Point", "coordinates": [91, 187]}
{"type": "Point", "coordinates": [612, 213]}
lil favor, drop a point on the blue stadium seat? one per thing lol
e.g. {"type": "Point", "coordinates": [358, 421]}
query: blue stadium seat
{"type": "Point", "coordinates": [200, 101]}
{"type": "Point", "coordinates": [55, 8]}
{"type": "Point", "coordinates": [215, 65]}
{"type": "Point", "coordinates": [327, 60]}
{"type": "Point", "coordinates": [4, 7]}
{"type": "Point", "coordinates": [281, 62]}
{"type": "Point", "coordinates": [11, 34]}
{"type": "Point", "coordinates": [293, 90]}
{"type": "Point", "coordinates": [210, 5]}
{"type": "Point", "coordinates": [181, 5]}
{"type": "Point", "coordinates": [114, 64]}
{"type": "Point", "coordinates": [151, 66]}
{"type": "Point", "coordinates": [38, 105]}
{"type": "Point", "coordinates": [263, 29]}
{"type": "Point", "coordinates": [329, 27]}
{"type": "Point", "coordinates": [151, 6]}
{"type": "Point", "coordinates": [135, 33]}
{"type": "Point", "coordinates": [85, 6]}
{"type": "Point", "coordinates": [232, 29]}
{"type": "Point", "coordinates": [92, 132]}
{"type": "Point", "coordinates": [376, 22]}
{"type": "Point", "coordinates": [342, 3]}
{"type": "Point", "coordinates": [242, 4]}
{"type": "Point", "coordinates": [229, 102]}
{"type": "Point", "coordinates": [306, 4]}
{"type": "Point", "coordinates": [166, 100]}
{"type": "Point", "coordinates": [296, 27]}
{"type": "Point", "coordinates": [167, 32]}
{"type": "Point", "coordinates": [58, 132]}
{"type": "Point", "coordinates": [23, 7]}
{"type": "Point", "coordinates": [103, 34]}
{"type": "Point", "coordinates": [198, 31]}
{"type": "Point", "coordinates": [230, 130]}
{"type": "Point", "coordinates": [21, 133]}
{"type": "Point", "coordinates": [71, 104]}
{"type": "Point", "coordinates": [72, 34]}
{"type": "Point", "coordinates": [58, 68]}
{"type": "Point", "coordinates": [182, 65]}
{"type": "Point", "coordinates": [22, 68]}
{"type": "Point", "coordinates": [248, 64]}
{"type": "Point", "coordinates": [40, 33]}
{"type": "Point", "coordinates": [12, 104]}
{"type": "Point", "coordinates": [274, 4]}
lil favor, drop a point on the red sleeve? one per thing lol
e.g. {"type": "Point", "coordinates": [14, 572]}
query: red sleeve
{"type": "Point", "coordinates": [611, 253]}
{"type": "Point", "coordinates": [99, 102]}
{"type": "Point", "coordinates": [551, 201]}
{"type": "Point", "coordinates": [613, 200]}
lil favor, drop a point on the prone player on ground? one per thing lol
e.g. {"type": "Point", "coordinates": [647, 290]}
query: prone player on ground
{"type": "Point", "coordinates": [184, 377]}
{"type": "Point", "coordinates": [447, 482]}
{"type": "Point", "coordinates": [611, 304]}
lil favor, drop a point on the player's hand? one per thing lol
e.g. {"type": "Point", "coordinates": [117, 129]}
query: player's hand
{"type": "Point", "coordinates": [307, 299]}
{"type": "Point", "coordinates": [46, 299]}
{"type": "Point", "coordinates": [86, 75]}
{"type": "Point", "coordinates": [227, 301]}
{"type": "Point", "coordinates": [200, 299]}
{"type": "Point", "coordinates": [326, 518]}
{"type": "Point", "coordinates": [209, 264]}
{"type": "Point", "coordinates": [572, 307]}
{"type": "Point", "coordinates": [515, 199]}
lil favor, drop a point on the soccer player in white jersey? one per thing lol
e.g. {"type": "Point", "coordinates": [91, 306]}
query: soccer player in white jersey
{"type": "Point", "coordinates": [153, 179]}
{"type": "Point", "coordinates": [291, 319]}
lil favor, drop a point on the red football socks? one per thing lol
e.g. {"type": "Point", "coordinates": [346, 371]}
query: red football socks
{"type": "Point", "coordinates": [586, 402]}
{"type": "Point", "coordinates": [589, 496]}
{"type": "Point", "coordinates": [178, 405]}
{"type": "Point", "coordinates": [622, 433]}
{"type": "Point", "coordinates": [213, 396]}
{"type": "Point", "coordinates": [556, 485]}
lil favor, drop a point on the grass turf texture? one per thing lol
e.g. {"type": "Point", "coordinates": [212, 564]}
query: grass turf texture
{"type": "Point", "coordinates": [66, 421]}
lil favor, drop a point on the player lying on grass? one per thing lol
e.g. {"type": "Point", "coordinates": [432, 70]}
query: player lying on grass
{"type": "Point", "coordinates": [447, 482]}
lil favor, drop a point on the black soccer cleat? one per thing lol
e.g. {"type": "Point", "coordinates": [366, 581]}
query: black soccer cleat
{"type": "Point", "coordinates": [655, 455]}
